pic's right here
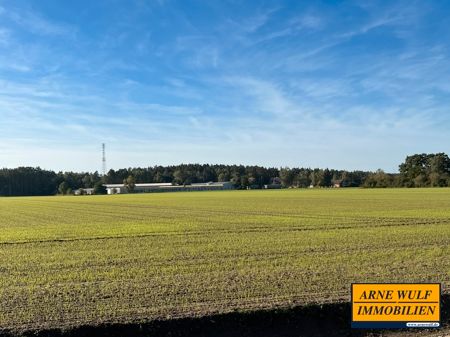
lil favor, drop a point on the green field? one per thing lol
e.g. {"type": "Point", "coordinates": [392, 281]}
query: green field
{"type": "Point", "coordinates": [69, 261]}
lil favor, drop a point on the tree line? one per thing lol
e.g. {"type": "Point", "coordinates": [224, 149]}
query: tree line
{"type": "Point", "coordinates": [418, 170]}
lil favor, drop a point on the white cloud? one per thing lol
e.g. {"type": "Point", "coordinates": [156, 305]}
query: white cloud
{"type": "Point", "coordinates": [5, 36]}
{"type": "Point", "coordinates": [309, 21]}
{"type": "Point", "coordinates": [266, 97]}
{"type": "Point", "coordinates": [37, 24]}
{"type": "Point", "coordinates": [17, 67]}
{"type": "Point", "coordinates": [254, 23]}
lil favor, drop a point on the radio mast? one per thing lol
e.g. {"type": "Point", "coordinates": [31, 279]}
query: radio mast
{"type": "Point", "coordinates": [103, 159]}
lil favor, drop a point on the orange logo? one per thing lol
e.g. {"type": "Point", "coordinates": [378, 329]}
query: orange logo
{"type": "Point", "coordinates": [391, 305]}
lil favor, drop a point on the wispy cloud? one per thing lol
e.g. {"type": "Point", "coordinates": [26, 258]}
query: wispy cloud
{"type": "Point", "coordinates": [4, 36]}
{"type": "Point", "coordinates": [36, 23]}
{"type": "Point", "coordinates": [253, 23]}
{"type": "Point", "coordinates": [266, 97]}
{"type": "Point", "coordinates": [369, 26]}
{"type": "Point", "coordinates": [294, 27]}
{"type": "Point", "coordinates": [310, 21]}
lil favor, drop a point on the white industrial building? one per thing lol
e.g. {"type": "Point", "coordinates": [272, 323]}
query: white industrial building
{"type": "Point", "coordinates": [168, 187]}
{"type": "Point", "coordinates": [81, 191]}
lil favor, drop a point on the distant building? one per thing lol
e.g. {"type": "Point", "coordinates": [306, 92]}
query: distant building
{"type": "Point", "coordinates": [341, 183]}
{"type": "Point", "coordinates": [272, 186]}
{"type": "Point", "coordinates": [168, 187]}
{"type": "Point", "coordinates": [337, 183]}
{"type": "Point", "coordinates": [81, 191]}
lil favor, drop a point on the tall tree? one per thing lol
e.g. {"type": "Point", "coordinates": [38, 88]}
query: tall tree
{"type": "Point", "coordinates": [130, 183]}
{"type": "Point", "coordinates": [63, 188]}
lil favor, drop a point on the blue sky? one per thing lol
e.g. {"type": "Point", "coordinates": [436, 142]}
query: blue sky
{"type": "Point", "coordinates": [350, 85]}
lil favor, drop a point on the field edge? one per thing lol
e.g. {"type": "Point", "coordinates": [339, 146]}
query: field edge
{"type": "Point", "coordinates": [328, 319]}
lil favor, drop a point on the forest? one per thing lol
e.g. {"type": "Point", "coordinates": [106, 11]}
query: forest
{"type": "Point", "coordinates": [418, 170]}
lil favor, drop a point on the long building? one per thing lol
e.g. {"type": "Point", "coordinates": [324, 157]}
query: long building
{"type": "Point", "coordinates": [168, 187]}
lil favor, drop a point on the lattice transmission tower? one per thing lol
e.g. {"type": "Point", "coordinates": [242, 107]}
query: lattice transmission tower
{"type": "Point", "coordinates": [103, 159]}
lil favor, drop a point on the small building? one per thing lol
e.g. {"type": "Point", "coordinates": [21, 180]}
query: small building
{"type": "Point", "coordinates": [84, 191]}
{"type": "Point", "coordinates": [145, 187]}
{"type": "Point", "coordinates": [168, 187]}
{"type": "Point", "coordinates": [272, 186]}
{"type": "Point", "coordinates": [337, 183]}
